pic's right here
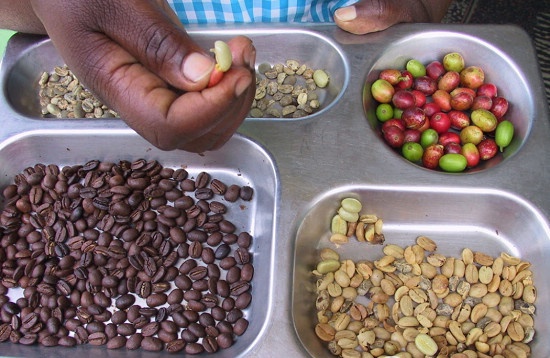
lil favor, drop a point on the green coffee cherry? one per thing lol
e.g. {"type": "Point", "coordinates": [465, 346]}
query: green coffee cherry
{"type": "Point", "coordinates": [504, 134]}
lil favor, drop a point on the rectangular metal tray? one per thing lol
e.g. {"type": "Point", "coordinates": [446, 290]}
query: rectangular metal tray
{"type": "Point", "coordinates": [488, 221]}
{"type": "Point", "coordinates": [320, 158]}
{"type": "Point", "coordinates": [258, 216]}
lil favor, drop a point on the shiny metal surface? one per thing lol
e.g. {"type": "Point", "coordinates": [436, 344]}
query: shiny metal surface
{"type": "Point", "coordinates": [336, 152]}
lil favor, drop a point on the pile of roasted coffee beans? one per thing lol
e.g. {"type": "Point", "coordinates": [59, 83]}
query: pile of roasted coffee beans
{"type": "Point", "coordinates": [128, 254]}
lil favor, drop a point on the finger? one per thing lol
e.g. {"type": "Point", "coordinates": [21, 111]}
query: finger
{"type": "Point", "coordinates": [367, 16]}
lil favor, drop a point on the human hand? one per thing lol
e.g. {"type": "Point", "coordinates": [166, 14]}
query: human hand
{"type": "Point", "coordinates": [138, 59]}
{"type": "Point", "coordinates": [376, 15]}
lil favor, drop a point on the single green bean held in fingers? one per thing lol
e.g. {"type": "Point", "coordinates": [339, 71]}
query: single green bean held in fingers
{"type": "Point", "coordinates": [224, 59]}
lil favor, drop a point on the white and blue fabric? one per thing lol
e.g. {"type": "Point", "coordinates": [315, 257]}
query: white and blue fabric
{"type": "Point", "coordinates": [246, 11]}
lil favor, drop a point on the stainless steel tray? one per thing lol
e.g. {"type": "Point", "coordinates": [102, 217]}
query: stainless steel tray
{"type": "Point", "coordinates": [498, 222]}
{"type": "Point", "coordinates": [337, 151]}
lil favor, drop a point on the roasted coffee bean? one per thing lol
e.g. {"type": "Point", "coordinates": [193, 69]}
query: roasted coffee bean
{"type": "Point", "coordinates": [5, 331]}
{"type": "Point", "coordinates": [188, 336]}
{"type": "Point", "coordinates": [210, 344]}
{"type": "Point", "coordinates": [67, 341]}
{"type": "Point", "coordinates": [126, 329]}
{"type": "Point", "coordinates": [243, 300]}
{"type": "Point", "coordinates": [194, 348]}
{"type": "Point", "coordinates": [97, 339]}
{"type": "Point", "coordinates": [242, 256]}
{"type": "Point", "coordinates": [156, 299]}
{"type": "Point", "coordinates": [28, 339]}
{"type": "Point", "coordinates": [240, 326]}
{"type": "Point", "coordinates": [116, 342]}
{"type": "Point", "coordinates": [222, 251]}
{"type": "Point", "coordinates": [203, 194]}
{"type": "Point", "coordinates": [175, 346]}
{"type": "Point", "coordinates": [150, 329]}
{"type": "Point", "coordinates": [134, 341]}
{"type": "Point", "coordinates": [246, 193]}
{"type": "Point", "coordinates": [239, 287]}
{"type": "Point", "coordinates": [247, 272]}
{"type": "Point", "coordinates": [224, 340]}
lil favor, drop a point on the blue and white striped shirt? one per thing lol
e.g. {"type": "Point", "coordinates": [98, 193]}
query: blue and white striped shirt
{"type": "Point", "coordinates": [246, 11]}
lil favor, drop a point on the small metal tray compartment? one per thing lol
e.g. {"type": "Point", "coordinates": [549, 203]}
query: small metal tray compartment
{"type": "Point", "coordinates": [240, 162]}
{"type": "Point", "coordinates": [498, 66]}
{"type": "Point", "coordinates": [27, 57]}
{"type": "Point", "coordinates": [485, 220]}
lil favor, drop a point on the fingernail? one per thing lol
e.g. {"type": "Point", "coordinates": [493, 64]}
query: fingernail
{"type": "Point", "coordinates": [251, 57]}
{"type": "Point", "coordinates": [197, 66]}
{"type": "Point", "coordinates": [241, 86]}
{"type": "Point", "coordinates": [347, 13]}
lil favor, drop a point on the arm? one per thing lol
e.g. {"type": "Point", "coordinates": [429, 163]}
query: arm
{"type": "Point", "coordinates": [19, 16]}
{"type": "Point", "coordinates": [375, 15]}
{"type": "Point", "coordinates": [139, 60]}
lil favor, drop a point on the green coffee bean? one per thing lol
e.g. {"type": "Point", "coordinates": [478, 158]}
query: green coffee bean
{"type": "Point", "coordinates": [327, 266]}
{"type": "Point", "coordinates": [425, 344]}
{"type": "Point", "coordinates": [348, 216]}
{"type": "Point", "coordinates": [453, 162]}
{"type": "Point", "coordinates": [339, 225]}
{"type": "Point", "coordinates": [321, 78]}
{"type": "Point", "coordinates": [351, 205]}
{"type": "Point", "coordinates": [504, 134]}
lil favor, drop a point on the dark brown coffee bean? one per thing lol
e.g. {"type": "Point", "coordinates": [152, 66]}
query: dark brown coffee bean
{"type": "Point", "coordinates": [198, 273]}
{"type": "Point", "coordinates": [152, 344]}
{"type": "Point", "coordinates": [224, 340]}
{"type": "Point", "coordinates": [195, 249]}
{"type": "Point", "coordinates": [134, 341]}
{"type": "Point", "coordinates": [97, 339]}
{"type": "Point", "coordinates": [126, 329]}
{"type": "Point", "coordinates": [150, 329]}
{"type": "Point", "coordinates": [243, 300]}
{"type": "Point", "coordinates": [5, 331]}
{"type": "Point", "coordinates": [233, 274]}
{"type": "Point", "coordinates": [175, 346]}
{"type": "Point", "coordinates": [232, 193]}
{"type": "Point", "coordinates": [239, 287]}
{"type": "Point", "coordinates": [111, 330]}
{"type": "Point", "coordinates": [226, 227]}
{"type": "Point", "coordinates": [228, 304]}
{"type": "Point", "coordinates": [194, 348]}
{"type": "Point", "coordinates": [183, 282]}
{"type": "Point", "coordinates": [29, 320]}
{"type": "Point", "coordinates": [223, 288]}
{"type": "Point", "coordinates": [166, 337]}
{"type": "Point", "coordinates": [218, 187]}
{"type": "Point", "coordinates": [175, 296]}
{"type": "Point", "coordinates": [210, 345]}
{"type": "Point", "coordinates": [188, 336]}
{"type": "Point", "coordinates": [28, 339]}
{"type": "Point", "coordinates": [156, 299]}
{"type": "Point", "coordinates": [116, 342]}
{"type": "Point", "coordinates": [222, 251]}
{"type": "Point", "coordinates": [66, 341]}
{"type": "Point", "coordinates": [229, 239]}
{"type": "Point", "coordinates": [247, 272]}
{"type": "Point", "coordinates": [118, 317]}
{"type": "Point", "coordinates": [242, 256]}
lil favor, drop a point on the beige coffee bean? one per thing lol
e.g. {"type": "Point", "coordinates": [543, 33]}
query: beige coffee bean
{"type": "Point", "coordinates": [339, 225]}
{"type": "Point", "coordinates": [482, 347]}
{"type": "Point", "coordinates": [456, 330]}
{"type": "Point", "coordinates": [478, 290]}
{"type": "Point", "coordinates": [517, 289]}
{"type": "Point", "coordinates": [448, 267]}
{"type": "Point", "coordinates": [467, 256]}
{"type": "Point", "coordinates": [509, 273]}
{"type": "Point", "coordinates": [505, 288]}
{"type": "Point", "coordinates": [356, 280]}
{"type": "Point", "coordinates": [419, 253]}
{"type": "Point", "coordinates": [492, 329]}
{"type": "Point", "coordinates": [526, 320]}
{"type": "Point", "coordinates": [529, 294]}
{"type": "Point", "coordinates": [329, 254]}
{"type": "Point", "coordinates": [426, 243]}
{"type": "Point", "coordinates": [364, 269]}
{"type": "Point", "coordinates": [453, 299]}
{"type": "Point", "coordinates": [347, 343]}
{"type": "Point", "coordinates": [360, 232]}
{"type": "Point", "coordinates": [350, 353]}
{"type": "Point", "coordinates": [323, 282]}
{"type": "Point", "coordinates": [473, 336]}
{"type": "Point", "coordinates": [459, 268]}
{"type": "Point", "coordinates": [471, 274]}
{"type": "Point", "coordinates": [376, 277]}
{"type": "Point", "coordinates": [498, 265]}
{"type": "Point", "coordinates": [428, 270]}
{"type": "Point", "coordinates": [369, 233]}
{"type": "Point", "coordinates": [515, 331]}
{"type": "Point", "coordinates": [384, 261]}
{"type": "Point", "coordinates": [408, 321]}
{"type": "Point", "coordinates": [349, 293]}
{"type": "Point", "coordinates": [342, 278]}
{"type": "Point", "coordinates": [483, 259]}
{"type": "Point", "coordinates": [394, 250]}
{"type": "Point", "coordinates": [337, 303]}
{"type": "Point", "coordinates": [381, 311]}
{"type": "Point", "coordinates": [436, 260]}
{"type": "Point", "coordinates": [494, 284]}
{"type": "Point", "coordinates": [440, 284]}
{"type": "Point", "coordinates": [463, 288]}
{"type": "Point", "coordinates": [462, 313]}
{"type": "Point", "coordinates": [478, 312]}
{"type": "Point", "coordinates": [485, 274]}
{"type": "Point", "coordinates": [366, 337]}
{"type": "Point", "coordinates": [524, 276]}
{"type": "Point", "coordinates": [378, 227]}
{"type": "Point", "coordinates": [388, 287]}
{"type": "Point", "coordinates": [424, 321]}
{"type": "Point", "coordinates": [339, 239]}
{"type": "Point", "coordinates": [491, 299]}
{"type": "Point", "coordinates": [334, 289]}
{"type": "Point", "coordinates": [494, 315]}
{"type": "Point", "coordinates": [325, 332]}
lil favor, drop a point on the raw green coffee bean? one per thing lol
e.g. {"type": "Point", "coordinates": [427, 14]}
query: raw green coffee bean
{"type": "Point", "coordinates": [453, 162]}
{"type": "Point", "coordinates": [327, 266]}
{"type": "Point", "coordinates": [351, 205]}
{"type": "Point", "coordinates": [339, 225]}
{"type": "Point", "coordinates": [504, 134]}
{"type": "Point", "coordinates": [425, 344]}
{"type": "Point", "coordinates": [321, 78]}
{"type": "Point", "coordinates": [348, 216]}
